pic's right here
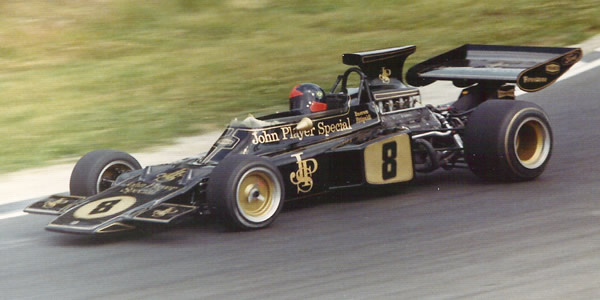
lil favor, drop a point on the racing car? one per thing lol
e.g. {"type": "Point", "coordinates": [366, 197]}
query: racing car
{"type": "Point", "coordinates": [370, 128]}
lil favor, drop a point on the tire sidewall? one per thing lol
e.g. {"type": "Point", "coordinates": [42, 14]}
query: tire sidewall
{"type": "Point", "coordinates": [489, 139]}
{"type": "Point", "coordinates": [222, 190]}
{"type": "Point", "coordinates": [88, 169]}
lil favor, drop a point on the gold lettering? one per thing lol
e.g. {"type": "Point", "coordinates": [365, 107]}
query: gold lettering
{"type": "Point", "coordinates": [362, 116]}
{"type": "Point", "coordinates": [285, 131]}
{"type": "Point", "coordinates": [299, 134]}
{"type": "Point", "coordinates": [310, 132]}
{"type": "Point", "coordinates": [326, 129]}
{"type": "Point", "coordinates": [165, 177]}
{"type": "Point", "coordinates": [265, 137]}
{"type": "Point", "coordinates": [146, 189]}
{"type": "Point", "coordinates": [272, 137]}
{"type": "Point", "coordinates": [254, 138]}
{"type": "Point", "coordinates": [320, 127]}
{"type": "Point", "coordinates": [527, 79]}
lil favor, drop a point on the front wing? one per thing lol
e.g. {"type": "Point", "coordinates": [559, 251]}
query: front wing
{"type": "Point", "coordinates": [119, 208]}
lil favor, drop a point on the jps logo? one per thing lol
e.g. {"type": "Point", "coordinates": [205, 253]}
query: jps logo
{"type": "Point", "coordinates": [302, 178]}
{"type": "Point", "coordinates": [54, 203]}
{"type": "Point", "coordinates": [158, 213]}
{"type": "Point", "coordinates": [385, 75]}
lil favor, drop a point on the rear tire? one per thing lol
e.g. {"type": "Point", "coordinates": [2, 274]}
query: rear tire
{"type": "Point", "coordinates": [508, 140]}
{"type": "Point", "coordinates": [246, 191]}
{"type": "Point", "coordinates": [97, 171]}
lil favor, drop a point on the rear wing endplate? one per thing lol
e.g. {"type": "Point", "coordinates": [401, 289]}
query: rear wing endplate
{"type": "Point", "coordinates": [531, 68]}
{"type": "Point", "coordinates": [383, 63]}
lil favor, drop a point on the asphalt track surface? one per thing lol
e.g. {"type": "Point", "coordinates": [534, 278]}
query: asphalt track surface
{"type": "Point", "coordinates": [446, 235]}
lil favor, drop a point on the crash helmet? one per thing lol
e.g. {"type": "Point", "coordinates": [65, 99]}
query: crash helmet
{"type": "Point", "coordinates": [307, 98]}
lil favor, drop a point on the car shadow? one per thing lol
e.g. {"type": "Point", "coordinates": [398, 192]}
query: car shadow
{"type": "Point", "coordinates": [144, 233]}
{"type": "Point", "coordinates": [439, 179]}
{"type": "Point", "coordinates": [210, 227]}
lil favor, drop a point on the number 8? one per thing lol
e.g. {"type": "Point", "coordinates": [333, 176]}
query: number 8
{"type": "Point", "coordinates": [388, 155]}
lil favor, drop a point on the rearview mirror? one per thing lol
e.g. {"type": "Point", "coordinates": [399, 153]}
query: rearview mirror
{"type": "Point", "coordinates": [304, 124]}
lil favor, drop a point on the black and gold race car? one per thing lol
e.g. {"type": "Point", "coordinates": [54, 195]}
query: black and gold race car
{"type": "Point", "coordinates": [369, 129]}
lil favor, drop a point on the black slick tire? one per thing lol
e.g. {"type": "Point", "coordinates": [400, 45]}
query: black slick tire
{"type": "Point", "coordinates": [508, 140]}
{"type": "Point", "coordinates": [247, 192]}
{"type": "Point", "coordinates": [97, 170]}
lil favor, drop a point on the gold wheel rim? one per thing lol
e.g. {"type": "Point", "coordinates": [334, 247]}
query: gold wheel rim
{"type": "Point", "coordinates": [532, 143]}
{"type": "Point", "coordinates": [258, 195]}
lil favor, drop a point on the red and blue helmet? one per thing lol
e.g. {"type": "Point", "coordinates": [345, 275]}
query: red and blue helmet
{"type": "Point", "coordinates": [307, 98]}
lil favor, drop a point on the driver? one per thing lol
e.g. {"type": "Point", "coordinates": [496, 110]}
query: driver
{"type": "Point", "coordinates": [307, 98]}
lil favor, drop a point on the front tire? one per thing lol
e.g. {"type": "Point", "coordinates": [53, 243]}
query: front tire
{"type": "Point", "coordinates": [246, 191]}
{"type": "Point", "coordinates": [97, 171]}
{"type": "Point", "coordinates": [508, 140]}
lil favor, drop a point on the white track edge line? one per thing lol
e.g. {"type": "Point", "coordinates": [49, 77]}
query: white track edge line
{"type": "Point", "coordinates": [12, 214]}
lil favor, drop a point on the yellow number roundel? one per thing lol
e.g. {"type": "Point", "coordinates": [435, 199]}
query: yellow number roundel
{"type": "Point", "coordinates": [104, 207]}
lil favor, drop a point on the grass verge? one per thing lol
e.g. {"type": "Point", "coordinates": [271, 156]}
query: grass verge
{"type": "Point", "coordinates": [81, 75]}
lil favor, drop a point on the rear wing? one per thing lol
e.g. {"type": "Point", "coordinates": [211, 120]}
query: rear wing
{"type": "Point", "coordinates": [531, 68]}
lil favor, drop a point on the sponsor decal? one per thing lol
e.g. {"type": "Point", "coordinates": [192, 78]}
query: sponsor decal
{"type": "Point", "coordinates": [166, 177]}
{"type": "Point", "coordinates": [570, 59]}
{"type": "Point", "coordinates": [385, 75]}
{"type": "Point", "coordinates": [341, 125]}
{"type": "Point", "coordinates": [527, 79]}
{"type": "Point", "coordinates": [104, 207]}
{"type": "Point", "coordinates": [302, 178]}
{"type": "Point", "coordinates": [552, 68]}
{"type": "Point", "coordinates": [226, 142]}
{"type": "Point", "coordinates": [265, 137]}
{"type": "Point", "coordinates": [362, 116]}
{"type": "Point", "coordinates": [142, 188]}
{"type": "Point", "coordinates": [506, 94]}
{"type": "Point", "coordinates": [291, 133]}
{"type": "Point", "coordinates": [54, 202]}
{"type": "Point", "coordinates": [294, 134]}
{"type": "Point", "coordinates": [159, 213]}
